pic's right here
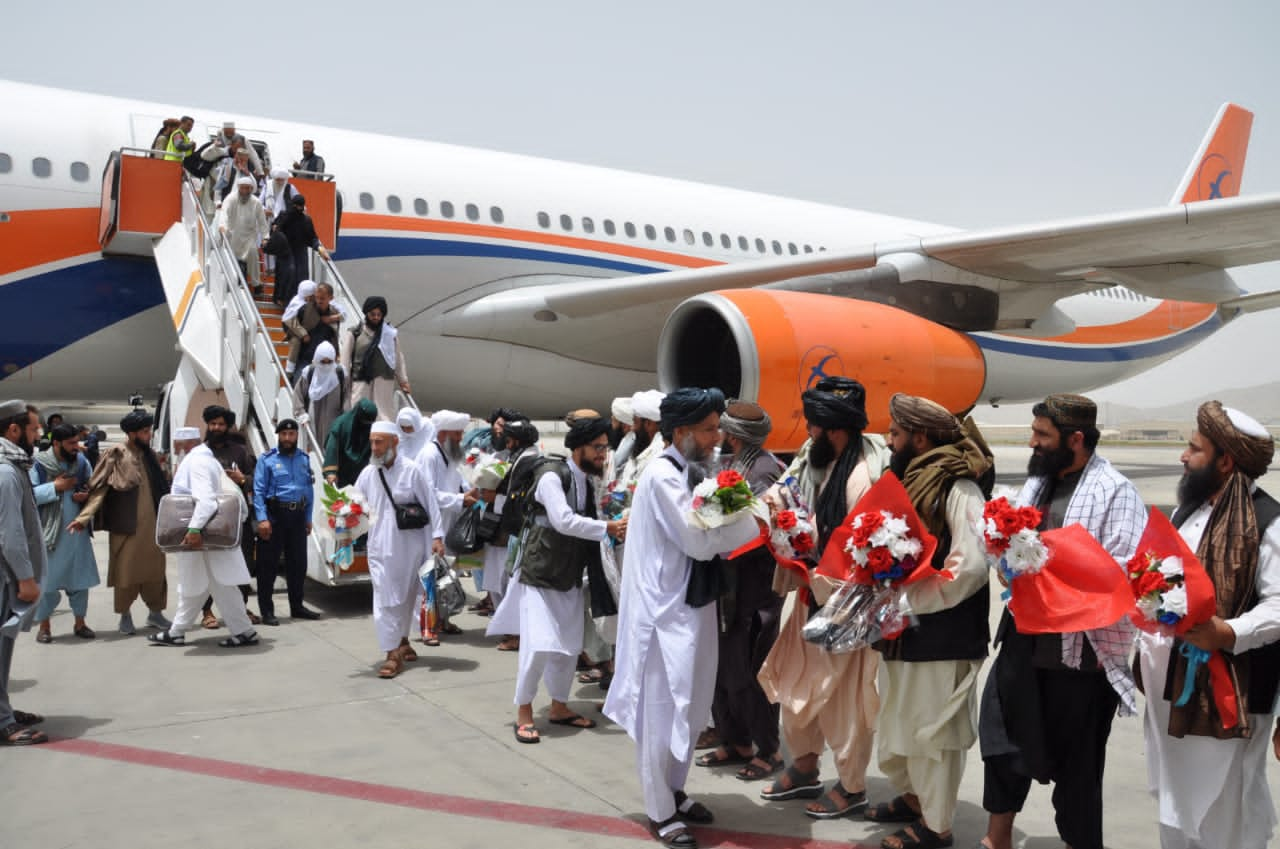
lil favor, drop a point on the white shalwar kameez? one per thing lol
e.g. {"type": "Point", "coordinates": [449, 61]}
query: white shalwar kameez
{"type": "Point", "coordinates": [247, 228]}
{"type": "Point", "coordinates": [203, 573]}
{"type": "Point", "coordinates": [449, 485]}
{"type": "Point", "coordinates": [551, 621]}
{"type": "Point", "coordinates": [1213, 793]}
{"type": "Point", "coordinates": [667, 652]}
{"type": "Point", "coordinates": [395, 555]}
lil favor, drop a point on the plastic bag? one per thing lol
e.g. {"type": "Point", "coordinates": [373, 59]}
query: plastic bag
{"type": "Point", "coordinates": [464, 535]}
{"type": "Point", "coordinates": [857, 615]}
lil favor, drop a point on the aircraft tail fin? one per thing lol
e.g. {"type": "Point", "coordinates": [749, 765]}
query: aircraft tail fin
{"type": "Point", "coordinates": [1218, 166]}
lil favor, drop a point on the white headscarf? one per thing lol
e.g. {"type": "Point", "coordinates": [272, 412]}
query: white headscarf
{"type": "Point", "coordinates": [324, 378]}
{"type": "Point", "coordinates": [411, 444]}
{"type": "Point", "coordinates": [306, 289]}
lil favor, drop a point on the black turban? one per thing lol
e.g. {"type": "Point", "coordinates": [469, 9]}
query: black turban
{"type": "Point", "coordinates": [64, 432]}
{"type": "Point", "coordinates": [585, 431]}
{"type": "Point", "coordinates": [522, 431]}
{"type": "Point", "coordinates": [375, 302]}
{"type": "Point", "coordinates": [836, 403]}
{"type": "Point", "coordinates": [687, 405]}
{"type": "Point", "coordinates": [136, 421]}
{"type": "Point", "coordinates": [506, 414]}
{"type": "Point", "coordinates": [217, 411]}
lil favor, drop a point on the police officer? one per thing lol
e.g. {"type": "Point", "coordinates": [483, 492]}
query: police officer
{"type": "Point", "coordinates": [282, 505]}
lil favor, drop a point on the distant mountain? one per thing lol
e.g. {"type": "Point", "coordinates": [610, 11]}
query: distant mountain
{"type": "Point", "coordinates": [1262, 402]}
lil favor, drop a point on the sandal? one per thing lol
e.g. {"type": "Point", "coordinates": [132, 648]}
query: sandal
{"type": "Point", "coordinates": [673, 833]}
{"type": "Point", "coordinates": [800, 785]}
{"type": "Point", "coordinates": [527, 733]}
{"type": "Point", "coordinates": [836, 802]}
{"type": "Point", "coordinates": [407, 654]}
{"type": "Point", "coordinates": [84, 632]}
{"type": "Point", "coordinates": [509, 644]}
{"type": "Point", "coordinates": [249, 638]}
{"type": "Point", "coordinates": [691, 811]}
{"type": "Point", "coordinates": [44, 637]}
{"type": "Point", "coordinates": [592, 677]}
{"type": "Point", "coordinates": [209, 621]}
{"type": "Point", "coordinates": [450, 629]}
{"type": "Point", "coordinates": [431, 640]}
{"type": "Point", "coordinates": [391, 667]}
{"type": "Point", "coordinates": [708, 739]}
{"type": "Point", "coordinates": [573, 720]}
{"type": "Point", "coordinates": [722, 756]}
{"type": "Point", "coordinates": [917, 835]}
{"type": "Point", "coordinates": [15, 734]}
{"type": "Point", "coordinates": [895, 810]}
{"type": "Point", "coordinates": [758, 768]}
{"type": "Point", "coordinates": [27, 719]}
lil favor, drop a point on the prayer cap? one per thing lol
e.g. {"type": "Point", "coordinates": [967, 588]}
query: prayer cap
{"type": "Point", "coordinates": [450, 420]}
{"type": "Point", "coordinates": [1240, 436]}
{"type": "Point", "coordinates": [688, 405]}
{"type": "Point", "coordinates": [585, 431]}
{"type": "Point", "coordinates": [63, 431]}
{"type": "Point", "coordinates": [620, 409]}
{"type": "Point", "coordinates": [836, 403]}
{"type": "Point", "coordinates": [186, 434]}
{"type": "Point", "coordinates": [920, 415]}
{"type": "Point", "coordinates": [9, 409]}
{"type": "Point", "coordinates": [574, 416]}
{"type": "Point", "coordinates": [245, 181]}
{"type": "Point", "coordinates": [385, 427]}
{"type": "Point", "coordinates": [521, 431]}
{"type": "Point", "coordinates": [746, 421]}
{"type": "Point", "coordinates": [217, 411]}
{"type": "Point", "coordinates": [136, 421]}
{"type": "Point", "coordinates": [279, 173]}
{"type": "Point", "coordinates": [1072, 412]}
{"type": "Point", "coordinates": [306, 288]}
{"type": "Point", "coordinates": [647, 405]}
{"type": "Point", "coordinates": [286, 424]}
{"type": "Point", "coordinates": [227, 125]}
{"type": "Point", "coordinates": [374, 302]}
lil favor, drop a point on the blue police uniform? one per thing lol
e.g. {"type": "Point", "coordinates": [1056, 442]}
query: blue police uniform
{"type": "Point", "coordinates": [282, 494]}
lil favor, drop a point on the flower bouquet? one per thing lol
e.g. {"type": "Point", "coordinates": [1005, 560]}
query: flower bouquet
{"type": "Point", "coordinates": [875, 552]}
{"type": "Point", "coordinates": [722, 500]}
{"type": "Point", "coordinates": [616, 502]}
{"type": "Point", "coordinates": [1172, 594]}
{"type": "Point", "coordinates": [348, 517]}
{"type": "Point", "coordinates": [1056, 581]}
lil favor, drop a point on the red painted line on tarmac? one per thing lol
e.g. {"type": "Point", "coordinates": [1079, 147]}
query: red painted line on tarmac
{"type": "Point", "coordinates": [384, 794]}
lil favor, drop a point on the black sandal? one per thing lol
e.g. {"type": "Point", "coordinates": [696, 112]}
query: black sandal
{"type": "Point", "coordinates": [895, 810]}
{"type": "Point", "coordinates": [830, 809]}
{"type": "Point", "coordinates": [15, 734]}
{"type": "Point", "coordinates": [691, 811]}
{"type": "Point", "coordinates": [917, 835]}
{"type": "Point", "coordinates": [730, 757]}
{"type": "Point", "coordinates": [27, 719]}
{"type": "Point", "coordinates": [673, 833]}
{"type": "Point", "coordinates": [804, 785]}
{"type": "Point", "coordinates": [754, 772]}
{"type": "Point", "coordinates": [249, 638]}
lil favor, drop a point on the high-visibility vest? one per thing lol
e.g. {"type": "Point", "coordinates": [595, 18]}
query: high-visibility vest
{"type": "Point", "coordinates": [171, 151]}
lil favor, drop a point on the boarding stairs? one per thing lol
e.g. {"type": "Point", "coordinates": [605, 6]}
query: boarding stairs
{"type": "Point", "coordinates": [232, 347]}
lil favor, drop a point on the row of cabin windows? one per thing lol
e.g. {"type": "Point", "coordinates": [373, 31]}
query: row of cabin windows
{"type": "Point", "coordinates": [446, 208]}
{"type": "Point", "coordinates": [42, 167]}
{"type": "Point", "coordinates": [689, 237]}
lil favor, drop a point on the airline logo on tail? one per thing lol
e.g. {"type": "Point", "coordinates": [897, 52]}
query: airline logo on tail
{"type": "Point", "coordinates": [1219, 166]}
{"type": "Point", "coordinates": [819, 362]}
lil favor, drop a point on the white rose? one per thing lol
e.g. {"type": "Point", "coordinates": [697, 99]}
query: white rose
{"type": "Point", "coordinates": [1149, 607]}
{"type": "Point", "coordinates": [1175, 601]}
{"type": "Point", "coordinates": [1171, 567]}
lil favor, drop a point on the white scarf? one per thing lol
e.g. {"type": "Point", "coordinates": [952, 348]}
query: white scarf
{"type": "Point", "coordinates": [387, 344]}
{"type": "Point", "coordinates": [324, 379]}
{"type": "Point", "coordinates": [306, 289]}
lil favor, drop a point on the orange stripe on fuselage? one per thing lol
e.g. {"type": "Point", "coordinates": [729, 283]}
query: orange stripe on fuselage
{"type": "Point", "coordinates": [1167, 317]}
{"type": "Point", "coordinates": [36, 236]}
{"type": "Point", "coordinates": [188, 294]}
{"type": "Point", "coordinates": [371, 221]}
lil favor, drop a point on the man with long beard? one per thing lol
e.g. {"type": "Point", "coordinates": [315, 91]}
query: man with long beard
{"type": "Point", "coordinates": [649, 442]}
{"type": "Point", "coordinates": [826, 699]}
{"type": "Point", "coordinates": [1210, 782]}
{"type": "Point", "coordinates": [395, 553]}
{"type": "Point", "coordinates": [373, 361]}
{"type": "Point", "coordinates": [126, 489]}
{"type": "Point", "coordinates": [61, 477]}
{"type": "Point", "coordinates": [230, 448]}
{"type": "Point", "coordinates": [929, 674]}
{"type": "Point", "coordinates": [443, 460]}
{"type": "Point", "coordinates": [666, 660]}
{"type": "Point", "coordinates": [242, 222]}
{"type": "Point", "coordinates": [1050, 698]}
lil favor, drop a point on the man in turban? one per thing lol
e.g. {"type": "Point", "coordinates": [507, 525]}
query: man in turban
{"type": "Point", "coordinates": [346, 450]}
{"type": "Point", "coordinates": [443, 459]}
{"type": "Point", "coordinates": [560, 541]}
{"type": "Point", "coordinates": [243, 224]}
{"type": "Point", "coordinates": [124, 494]}
{"type": "Point", "coordinates": [622, 437]}
{"type": "Point", "coordinates": [395, 553]}
{"type": "Point", "coordinates": [1050, 699]}
{"type": "Point", "coordinates": [929, 674]}
{"type": "Point", "coordinates": [667, 648]}
{"type": "Point", "coordinates": [649, 442]}
{"type": "Point", "coordinates": [826, 699]}
{"type": "Point", "coordinates": [746, 722]}
{"type": "Point", "coordinates": [372, 359]}
{"type": "Point", "coordinates": [60, 477]}
{"type": "Point", "coordinates": [1210, 781]}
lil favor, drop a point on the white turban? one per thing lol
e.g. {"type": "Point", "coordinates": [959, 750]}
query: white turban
{"type": "Point", "coordinates": [450, 420]}
{"type": "Point", "coordinates": [245, 181]}
{"type": "Point", "coordinates": [279, 173]}
{"type": "Point", "coordinates": [385, 427]}
{"type": "Point", "coordinates": [621, 410]}
{"type": "Point", "coordinates": [182, 434]}
{"type": "Point", "coordinates": [647, 405]}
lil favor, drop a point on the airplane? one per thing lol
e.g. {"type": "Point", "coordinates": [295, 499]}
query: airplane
{"type": "Point", "coordinates": [541, 284]}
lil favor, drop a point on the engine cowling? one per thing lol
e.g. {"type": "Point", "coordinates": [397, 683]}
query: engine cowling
{"type": "Point", "coordinates": [769, 346]}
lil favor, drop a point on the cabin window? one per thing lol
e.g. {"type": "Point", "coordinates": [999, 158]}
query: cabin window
{"type": "Point", "coordinates": [791, 248]}
{"type": "Point", "coordinates": [366, 200]}
{"type": "Point", "coordinates": [41, 167]}
{"type": "Point", "coordinates": [544, 220]}
{"type": "Point", "coordinates": [777, 248]}
{"type": "Point", "coordinates": [808, 249]}
{"type": "Point", "coordinates": [708, 239]}
{"type": "Point", "coordinates": [566, 223]}
{"type": "Point", "coordinates": [473, 212]}
{"type": "Point", "coordinates": [495, 214]}
{"type": "Point", "coordinates": [393, 203]}
{"type": "Point", "coordinates": [760, 245]}
{"type": "Point", "coordinates": [79, 172]}
{"type": "Point", "coordinates": [689, 238]}
{"type": "Point", "coordinates": [650, 231]}
{"type": "Point", "coordinates": [588, 225]}
{"type": "Point", "coordinates": [670, 233]}
{"type": "Point", "coordinates": [420, 206]}
{"type": "Point", "coordinates": [6, 163]}
{"type": "Point", "coordinates": [446, 208]}
{"type": "Point", "coordinates": [609, 229]}
{"type": "Point", "coordinates": [743, 244]}
{"type": "Point", "coordinates": [630, 229]}
{"type": "Point", "coordinates": [726, 242]}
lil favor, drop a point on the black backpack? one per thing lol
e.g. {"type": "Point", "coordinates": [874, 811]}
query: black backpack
{"type": "Point", "coordinates": [196, 165]}
{"type": "Point", "coordinates": [521, 483]}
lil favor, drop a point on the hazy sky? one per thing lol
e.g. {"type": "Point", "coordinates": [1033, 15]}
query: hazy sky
{"type": "Point", "coordinates": [970, 114]}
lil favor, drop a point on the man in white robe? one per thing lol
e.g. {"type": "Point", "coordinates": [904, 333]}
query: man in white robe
{"type": "Point", "coordinates": [443, 458]}
{"type": "Point", "coordinates": [202, 572]}
{"type": "Point", "coordinates": [552, 560]}
{"type": "Point", "coordinates": [395, 555]}
{"type": "Point", "coordinates": [242, 223]}
{"type": "Point", "coordinates": [1212, 792]}
{"type": "Point", "coordinates": [667, 651]}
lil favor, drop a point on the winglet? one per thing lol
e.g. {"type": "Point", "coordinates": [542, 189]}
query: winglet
{"type": "Point", "coordinates": [1218, 166]}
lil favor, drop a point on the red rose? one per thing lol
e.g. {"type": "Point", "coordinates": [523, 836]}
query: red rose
{"type": "Point", "coordinates": [879, 559]}
{"type": "Point", "coordinates": [802, 543]}
{"type": "Point", "coordinates": [1152, 582]}
{"type": "Point", "coordinates": [786, 520]}
{"type": "Point", "coordinates": [356, 509]}
{"type": "Point", "coordinates": [1030, 517]}
{"type": "Point", "coordinates": [728, 478]}
{"type": "Point", "coordinates": [993, 507]}
{"type": "Point", "coordinates": [864, 526]}
{"type": "Point", "coordinates": [352, 521]}
{"type": "Point", "coordinates": [337, 505]}
{"type": "Point", "coordinates": [1008, 522]}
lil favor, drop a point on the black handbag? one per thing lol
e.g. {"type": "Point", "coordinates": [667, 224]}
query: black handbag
{"type": "Point", "coordinates": [409, 517]}
{"type": "Point", "coordinates": [463, 536]}
{"type": "Point", "coordinates": [705, 583]}
{"type": "Point", "coordinates": [277, 244]}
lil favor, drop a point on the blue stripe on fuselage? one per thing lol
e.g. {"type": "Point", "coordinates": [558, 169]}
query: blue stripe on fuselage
{"type": "Point", "coordinates": [383, 247]}
{"type": "Point", "coordinates": [1120, 352]}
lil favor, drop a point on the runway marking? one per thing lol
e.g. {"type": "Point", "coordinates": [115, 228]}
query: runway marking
{"type": "Point", "coordinates": [385, 794]}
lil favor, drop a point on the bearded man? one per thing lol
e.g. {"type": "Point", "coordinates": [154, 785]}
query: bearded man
{"type": "Point", "coordinates": [60, 477]}
{"type": "Point", "coordinates": [395, 553]}
{"type": "Point", "coordinates": [929, 674]}
{"type": "Point", "coordinates": [826, 699]}
{"type": "Point", "coordinates": [667, 647]}
{"type": "Point", "coordinates": [126, 489]}
{"type": "Point", "coordinates": [649, 442]}
{"type": "Point", "coordinates": [242, 222]}
{"type": "Point", "coordinates": [1210, 782]}
{"type": "Point", "coordinates": [622, 437]}
{"type": "Point", "coordinates": [373, 361]}
{"type": "Point", "coordinates": [230, 448]}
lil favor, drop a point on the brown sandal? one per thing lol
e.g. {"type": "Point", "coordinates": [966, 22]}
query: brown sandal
{"type": "Point", "coordinates": [391, 667]}
{"type": "Point", "coordinates": [210, 621]}
{"type": "Point", "coordinates": [407, 654]}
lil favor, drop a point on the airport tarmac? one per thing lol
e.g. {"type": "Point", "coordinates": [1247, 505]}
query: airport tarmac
{"type": "Point", "coordinates": [297, 743]}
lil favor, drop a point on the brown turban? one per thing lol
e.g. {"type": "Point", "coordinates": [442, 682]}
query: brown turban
{"type": "Point", "coordinates": [746, 421]}
{"type": "Point", "coordinates": [1238, 436]}
{"type": "Point", "coordinates": [1072, 412]}
{"type": "Point", "coordinates": [920, 415]}
{"type": "Point", "coordinates": [575, 416]}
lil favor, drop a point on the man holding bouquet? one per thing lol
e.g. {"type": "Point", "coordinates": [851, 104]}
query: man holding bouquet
{"type": "Point", "coordinates": [1050, 698]}
{"type": "Point", "coordinates": [929, 673]}
{"type": "Point", "coordinates": [1209, 780]}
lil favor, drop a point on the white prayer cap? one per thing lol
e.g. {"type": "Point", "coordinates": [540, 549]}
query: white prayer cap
{"type": "Point", "coordinates": [228, 125]}
{"type": "Point", "coordinates": [279, 173]}
{"type": "Point", "coordinates": [450, 420]}
{"type": "Point", "coordinates": [647, 405]}
{"type": "Point", "coordinates": [246, 181]}
{"type": "Point", "coordinates": [1246, 423]}
{"type": "Point", "coordinates": [385, 427]}
{"type": "Point", "coordinates": [183, 434]}
{"type": "Point", "coordinates": [621, 410]}
{"type": "Point", "coordinates": [307, 288]}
